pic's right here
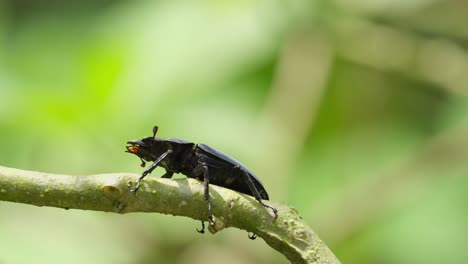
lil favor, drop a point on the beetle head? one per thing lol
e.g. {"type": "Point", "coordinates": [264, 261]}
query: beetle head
{"type": "Point", "coordinates": [146, 148]}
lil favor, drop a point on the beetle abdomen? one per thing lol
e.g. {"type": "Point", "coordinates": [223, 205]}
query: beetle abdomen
{"type": "Point", "coordinates": [227, 172]}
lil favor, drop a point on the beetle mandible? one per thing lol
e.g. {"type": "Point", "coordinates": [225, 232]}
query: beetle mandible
{"type": "Point", "coordinates": [197, 161]}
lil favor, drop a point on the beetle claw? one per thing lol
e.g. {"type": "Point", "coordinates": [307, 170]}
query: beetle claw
{"type": "Point", "coordinates": [134, 190]}
{"type": "Point", "coordinates": [202, 231]}
{"type": "Point", "coordinates": [275, 212]}
{"type": "Point", "coordinates": [253, 236]}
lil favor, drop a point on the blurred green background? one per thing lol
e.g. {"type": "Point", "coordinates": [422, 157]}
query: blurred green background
{"type": "Point", "coordinates": [353, 112]}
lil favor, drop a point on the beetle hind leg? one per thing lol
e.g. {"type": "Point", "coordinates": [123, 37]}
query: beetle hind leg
{"type": "Point", "coordinates": [255, 192]}
{"type": "Point", "coordinates": [275, 211]}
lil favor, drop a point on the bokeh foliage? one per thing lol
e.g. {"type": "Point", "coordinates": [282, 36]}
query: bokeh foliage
{"type": "Point", "coordinates": [353, 112]}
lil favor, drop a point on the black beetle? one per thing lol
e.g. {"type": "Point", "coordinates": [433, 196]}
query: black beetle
{"type": "Point", "coordinates": [197, 161]}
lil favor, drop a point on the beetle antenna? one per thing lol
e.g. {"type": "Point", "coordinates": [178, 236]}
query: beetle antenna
{"type": "Point", "coordinates": [155, 130]}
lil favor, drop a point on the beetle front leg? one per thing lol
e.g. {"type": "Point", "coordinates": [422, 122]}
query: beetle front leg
{"type": "Point", "coordinates": [149, 170]}
{"type": "Point", "coordinates": [143, 175]}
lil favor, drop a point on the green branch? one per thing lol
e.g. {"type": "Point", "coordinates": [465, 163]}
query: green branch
{"type": "Point", "coordinates": [288, 234]}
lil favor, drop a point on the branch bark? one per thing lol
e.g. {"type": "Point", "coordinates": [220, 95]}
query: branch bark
{"type": "Point", "coordinates": [288, 234]}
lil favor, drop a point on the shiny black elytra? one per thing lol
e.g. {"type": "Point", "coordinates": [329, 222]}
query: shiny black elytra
{"type": "Point", "coordinates": [197, 161]}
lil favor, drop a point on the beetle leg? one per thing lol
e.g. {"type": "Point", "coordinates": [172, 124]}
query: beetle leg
{"type": "Point", "coordinates": [255, 192]}
{"type": "Point", "coordinates": [149, 170]}
{"type": "Point", "coordinates": [202, 231]}
{"type": "Point", "coordinates": [134, 190]}
{"type": "Point", "coordinates": [203, 169]}
{"type": "Point", "coordinates": [206, 181]}
{"type": "Point", "coordinates": [143, 163]}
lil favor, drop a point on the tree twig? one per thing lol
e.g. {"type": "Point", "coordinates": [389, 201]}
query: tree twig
{"type": "Point", "coordinates": [288, 234]}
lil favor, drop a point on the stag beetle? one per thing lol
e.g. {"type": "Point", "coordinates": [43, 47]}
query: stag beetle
{"type": "Point", "coordinates": [197, 161]}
